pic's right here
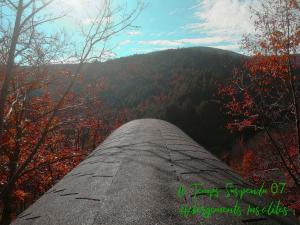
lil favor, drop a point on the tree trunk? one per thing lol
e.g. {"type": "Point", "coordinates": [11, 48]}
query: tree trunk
{"type": "Point", "coordinates": [6, 212]}
{"type": "Point", "coordinates": [291, 78]}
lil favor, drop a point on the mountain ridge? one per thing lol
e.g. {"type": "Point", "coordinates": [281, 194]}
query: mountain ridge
{"type": "Point", "coordinates": [176, 85]}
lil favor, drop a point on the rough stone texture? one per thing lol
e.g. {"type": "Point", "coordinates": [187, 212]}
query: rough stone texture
{"type": "Point", "coordinates": [132, 178]}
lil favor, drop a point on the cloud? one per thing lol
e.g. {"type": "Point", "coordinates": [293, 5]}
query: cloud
{"type": "Point", "coordinates": [125, 42]}
{"type": "Point", "coordinates": [108, 55]}
{"type": "Point", "coordinates": [159, 34]}
{"type": "Point", "coordinates": [186, 41]}
{"type": "Point", "coordinates": [173, 12]}
{"type": "Point", "coordinates": [234, 47]}
{"type": "Point", "coordinates": [134, 33]}
{"type": "Point", "coordinates": [160, 42]}
{"type": "Point", "coordinates": [144, 51]}
{"type": "Point", "coordinates": [88, 21]}
{"type": "Point", "coordinates": [219, 17]}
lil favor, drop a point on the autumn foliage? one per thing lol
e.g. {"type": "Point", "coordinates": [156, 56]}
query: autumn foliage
{"type": "Point", "coordinates": [263, 98]}
{"type": "Point", "coordinates": [255, 160]}
{"type": "Point", "coordinates": [77, 128]}
{"type": "Point", "coordinates": [48, 120]}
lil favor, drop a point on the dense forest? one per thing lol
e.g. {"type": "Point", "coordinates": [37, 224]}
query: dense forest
{"type": "Point", "coordinates": [176, 85]}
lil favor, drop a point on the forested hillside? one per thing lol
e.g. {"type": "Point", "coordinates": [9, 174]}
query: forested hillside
{"type": "Point", "coordinates": [175, 85]}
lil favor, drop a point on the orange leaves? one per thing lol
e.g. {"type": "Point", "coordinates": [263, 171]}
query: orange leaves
{"type": "Point", "coordinates": [263, 44]}
{"type": "Point", "coordinates": [247, 161]}
{"type": "Point", "coordinates": [257, 162]}
{"type": "Point", "coordinates": [74, 129]}
{"type": "Point", "coordinates": [248, 100]}
{"type": "Point", "coordinates": [20, 195]}
{"type": "Point", "coordinates": [293, 151]}
{"type": "Point", "coordinates": [261, 88]}
{"type": "Point", "coordinates": [263, 95]}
